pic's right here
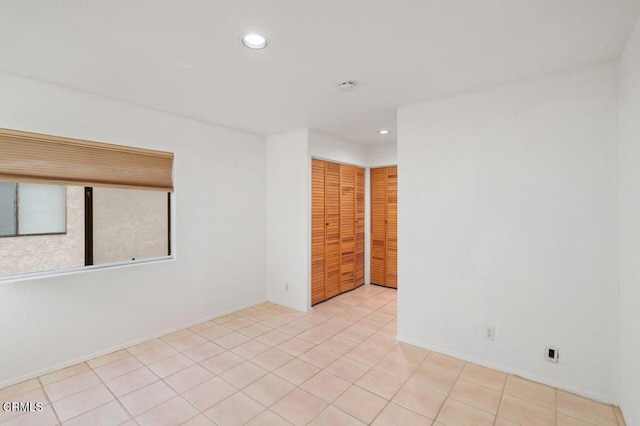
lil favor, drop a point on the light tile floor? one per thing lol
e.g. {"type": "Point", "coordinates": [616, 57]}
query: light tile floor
{"type": "Point", "coordinates": [270, 365]}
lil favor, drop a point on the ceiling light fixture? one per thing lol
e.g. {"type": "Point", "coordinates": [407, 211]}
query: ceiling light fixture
{"type": "Point", "coordinates": [383, 132]}
{"type": "Point", "coordinates": [346, 86]}
{"type": "Point", "coordinates": [254, 41]}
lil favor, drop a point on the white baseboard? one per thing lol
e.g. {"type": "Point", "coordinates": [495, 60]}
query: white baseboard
{"type": "Point", "coordinates": [509, 370]}
{"type": "Point", "coordinates": [290, 306]}
{"type": "Point", "coordinates": [85, 358]}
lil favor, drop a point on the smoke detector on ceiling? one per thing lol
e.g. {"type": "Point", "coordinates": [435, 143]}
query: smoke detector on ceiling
{"type": "Point", "coordinates": [346, 86]}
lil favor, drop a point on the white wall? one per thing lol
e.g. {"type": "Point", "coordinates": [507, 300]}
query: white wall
{"type": "Point", "coordinates": [382, 154]}
{"type": "Point", "coordinates": [508, 217]}
{"type": "Point", "coordinates": [330, 148]}
{"type": "Point", "coordinates": [289, 209]}
{"type": "Point", "coordinates": [630, 227]}
{"type": "Point", "coordinates": [219, 223]}
{"type": "Point", "coordinates": [288, 219]}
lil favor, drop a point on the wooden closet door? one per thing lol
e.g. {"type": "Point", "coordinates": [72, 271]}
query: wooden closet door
{"type": "Point", "coordinates": [359, 273]}
{"type": "Point", "coordinates": [391, 279]}
{"type": "Point", "coordinates": [332, 230]}
{"type": "Point", "coordinates": [337, 229]}
{"type": "Point", "coordinates": [378, 226]}
{"type": "Point", "coordinates": [317, 231]}
{"type": "Point", "coordinates": [347, 227]}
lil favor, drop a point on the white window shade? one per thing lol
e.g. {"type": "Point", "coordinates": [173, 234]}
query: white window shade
{"type": "Point", "coordinates": [35, 158]}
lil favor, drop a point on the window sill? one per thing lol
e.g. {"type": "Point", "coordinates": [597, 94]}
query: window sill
{"type": "Point", "coordinates": [81, 269]}
{"type": "Point", "coordinates": [45, 234]}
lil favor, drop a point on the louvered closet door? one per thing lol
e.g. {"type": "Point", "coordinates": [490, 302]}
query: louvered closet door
{"type": "Point", "coordinates": [337, 229]}
{"type": "Point", "coordinates": [359, 279]}
{"type": "Point", "coordinates": [332, 230]}
{"type": "Point", "coordinates": [347, 227]}
{"type": "Point", "coordinates": [317, 231]}
{"type": "Point", "coordinates": [392, 228]}
{"type": "Point", "coordinates": [378, 226]}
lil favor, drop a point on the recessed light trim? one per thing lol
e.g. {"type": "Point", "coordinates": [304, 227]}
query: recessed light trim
{"type": "Point", "coordinates": [254, 41]}
{"type": "Point", "coordinates": [383, 132]}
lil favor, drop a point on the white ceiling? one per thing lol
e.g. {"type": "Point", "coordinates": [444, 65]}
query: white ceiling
{"type": "Point", "coordinates": [185, 56]}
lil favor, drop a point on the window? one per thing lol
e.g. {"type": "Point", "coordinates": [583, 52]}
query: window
{"type": "Point", "coordinates": [77, 203]}
{"type": "Point", "coordinates": [32, 209]}
{"type": "Point", "coordinates": [128, 224]}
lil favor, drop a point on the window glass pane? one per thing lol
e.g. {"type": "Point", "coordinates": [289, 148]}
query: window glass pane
{"type": "Point", "coordinates": [47, 252]}
{"type": "Point", "coordinates": [42, 209]}
{"type": "Point", "coordinates": [129, 224]}
{"type": "Point", "coordinates": [7, 208]}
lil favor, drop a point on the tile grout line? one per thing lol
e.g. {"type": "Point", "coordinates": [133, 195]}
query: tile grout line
{"type": "Point", "coordinates": [46, 395]}
{"type": "Point", "coordinates": [268, 371]}
{"type": "Point", "coordinates": [116, 399]}
{"type": "Point", "coordinates": [132, 417]}
{"type": "Point", "coordinates": [371, 368]}
{"type": "Point", "coordinates": [178, 394]}
{"type": "Point", "coordinates": [450, 390]}
{"type": "Point", "coordinates": [329, 404]}
{"type": "Point", "coordinates": [555, 400]}
{"type": "Point", "coordinates": [41, 386]}
{"type": "Point", "coordinates": [478, 384]}
{"type": "Point", "coordinates": [104, 383]}
{"type": "Point", "coordinates": [504, 387]}
{"type": "Point", "coordinates": [401, 386]}
{"type": "Point", "coordinates": [351, 384]}
{"type": "Point", "coordinates": [71, 394]}
{"type": "Point", "coordinates": [231, 384]}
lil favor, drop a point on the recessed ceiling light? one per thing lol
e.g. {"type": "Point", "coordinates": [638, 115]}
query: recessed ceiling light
{"type": "Point", "coordinates": [254, 41]}
{"type": "Point", "coordinates": [383, 132]}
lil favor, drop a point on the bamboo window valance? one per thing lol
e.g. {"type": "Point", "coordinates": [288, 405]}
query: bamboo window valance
{"type": "Point", "coordinates": [37, 158]}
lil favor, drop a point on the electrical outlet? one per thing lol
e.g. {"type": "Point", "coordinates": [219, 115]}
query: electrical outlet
{"type": "Point", "coordinates": [490, 333]}
{"type": "Point", "coordinates": [552, 353]}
